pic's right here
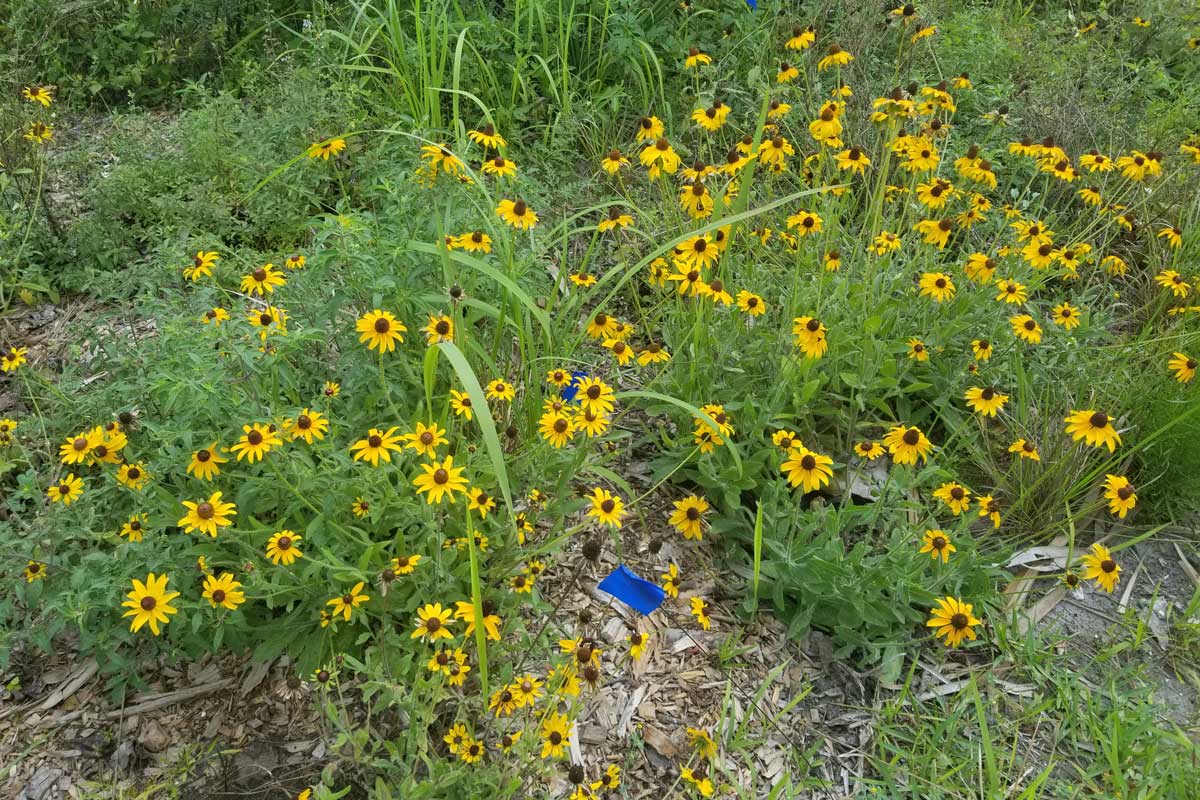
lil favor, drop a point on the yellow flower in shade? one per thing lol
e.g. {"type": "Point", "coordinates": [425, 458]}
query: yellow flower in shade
{"type": "Point", "coordinates": [671, 580]}
{"type": "Point", "coordinates": [606, 507]}
{"type": "Point", "coordinates": [986, 401]}
{"type": "Point", "coordinates": [456, 738]}
{"type": "Point", "coordinates": [461, 403]}
{"type": "Point", "coordinates": [329, 147]}
{"type": "Point", "coordinates": [659, 158]}
{"type": "Point", "coordinates": [309, 425]}
{"type": "Point", "coordinates": [833, 260]}
{"type": "Point", "coordinates": [38, 94]}
{"type": "Point", "coordinates": [282, 547]}
{"type": "Point", "coordinates": [1025, 328]}
{"type": "Point", "coordinates": [957, 498]}
{"type": "Point", "coordinates": [1100, 567]}
{"type": "Point", "coordinates": [906, 444]}
{"type": "Point", "coordinates": [474, 242]}
{"type": "Point", "coordinates": [76, 449]}
{"type": "Point", "coordinates": [223, 591]}
{"type": "Point", "coordinates": [805, 223]}
{"type": "Point", "coordinates": [256, 441]}
{"type": "Point", "coordinates": [67, 490]}
{"type": "Point", "coordinates": [207, 516]}
{"type": "Point", "coordinates": [885, 243]}
{"type": "Point", "coordinates": [1170, 279]}
{"type": "Point", "coordinates": [506, 742]}
{"type": "Point", "coordinates": [135, 527]}
{"type": "Point", "coordinates": [1025, 449]}
{"type": "Point", "coordinates": [481, 501]}
{"type": "Point", "coordinates": [556, 735]}
{"type": "Point", "coordinates": [346, 603]}
{"type": "Point", "coordinates": [1174, 236]}
{"type": "Point", "coordinates": [649, 128]}
{"type": "Point", "coordinates": [440, 480]}
{"type": "Point", "coordinates": [426, 439]}
{"type": "Point", "coordinates": [952, 619]}
{"type": "Point", "coordinates": [499, 166]}
{"type": "Point", "coordinates": [613, 161]}
{"type": "Point", "coordinates": [698, 780]}
{"type": "Point", "coordinates": [934, 231]}
{"type": "Point", "coordinates": [517, 214]}
{"type": "Point", "coordinates": [378, 445]}
{"type": "Point", "coordinates": [1120, 495]}
{"type": "Point", "coordinates": [133, 475]}
{"type": "Point", "coordinates": [688, 517]}
{"type": "Point", "coordinates": [719, 415]}
{"type": "Point", "coordinates": [1095, 428]}
{"type": "Point", "coordinates": [263, 280]}
{"type": "Point", "coordinates": [39, 133]}
{"type": "Point", "coordinates": [215, 316]}
{"type": "Point", "coordinates": [465, 611]}
{"type": "Point", "coordinates": [1183, 366]}
{"type": "Point", "coordinates": [380, 330]}
{"type": "Point", "coordinates": [295, 261]}
{"type": "Point", "coordinates": [471, 751]}
{"type": "Point", "coordinates": [787, 73]}
{"type": "Point", "coordinates": [556, 428]}
{"type": "Point", "coordinates": [938, 286]}
{"type": "Point", "coordinates": [149, 603]}
{"type": "Point", "coordinates": [265, 318]}
{"type": "Point", "coordinates": [807, 469]}
{"type": "Point", "coordinates": [834, 57]}
{"type": "Point", "coordinates": [205, 463]}
{"type": "Point", "coordinates": [938, 545]}
{"type": "Point", "coordinates": [699, 610]}
{"type": "Point", "coordinates": [869, 450]}
{"type": "Point", "coordinates": [702, 742]}
{"type": "Point", "coordinates": [109, 445]}
{"type": "Point", "coordinates": [361, 507]}
{"type": "Point", "coordinates": [811, 336]}
{"type": "Point", "coordinates": [439, 158]}
{"type": "Point", "coordinates": [696, 59]}
{"type": "Point", "coordinates": [201, 266]}
{"type": "Point", "coordinates": [34, 571]}
{"type": "Point", "coordinates": [617, 218]}
{"type": "Point", "coordinates": [751, 303]}
{"type": "Point", "coordinates": [500, 389]}
{"type": "Point", "coordinates": [917, 350]}
{"type": "Point", "coordinates": [404, 565]}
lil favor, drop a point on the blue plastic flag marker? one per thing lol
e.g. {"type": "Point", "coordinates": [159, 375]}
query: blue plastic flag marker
{"type": "Point", "coordinates": [753, 4]}
{"type": "Point", "coordinates": [635, 592]}
{"type": "Point", "coordinates": [571, 389]}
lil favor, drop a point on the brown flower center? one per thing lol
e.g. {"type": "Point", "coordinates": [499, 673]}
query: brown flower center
{"type": "Point", "coordinates": [259, 274]}
{"type": "Point", "coordinates": [808, 462]}
{"type": "Point", "coordinates": [254, 438]}
{"type": "Point", "coordinates": [1098, 420]}
{"type": "Point", "coordinates": [959, 621]}
{"type": "Point", "coordinates": [382, 325]}
{"type": "Point", "coordinates": [205, 511]}
{"type": "Point", "coordinates": [957, 493]}
{"type": "Point", "coordinates": [1108, 565]}
{"type": "Point", "coordinates": [441, 476]}
{"type": "Point", "coordinates": [148, 603]}
{"type": "Point", "coordinates": [911, 437]}
{"type": "Point", "coordinates": [1125, 492]}
{"type": "Point", "coordinates": [218, 596]}
{"type": "Point", "coordinates": [607, 506]}
{"type": "Point", "coordinates": [283, 543]}
{"type": "Point", "coordinates": [939, 542]}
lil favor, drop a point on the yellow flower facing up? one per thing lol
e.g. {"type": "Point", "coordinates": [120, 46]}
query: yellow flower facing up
{"type": "Point", "coordinates": [440, 328]}
{"type": "Point", "coordinates": [556, 735]}
{"type": "Point", "coordinates": [953, 619]}
{"type": "Point", "coordinates": [556, 428]}
{"type": "Point", "coordinates": [433, 623]}
{"type": "Point", "coordinates": [501, 390]}
{"type": "Point", "coordinates": [377, 445]}
{"type": "Point", "coordinates": [282, 547]}
{"type": "Point", "coordinates": [1120, 494]}
{"type": "Point", "coordinates": [917, 350]}
{"type": "Point", "coordinates": [134, 476]}
{"type": "Point", "coordinates": [517, 214]}
{"type": "Point", "coordinates": [346, 603]}
{"type": "Point", "coordinates": [1026, 328]}
{"type": "Point", "coordinates": [460, 402]}
{"type": "Point", "coordinates": [481, 501]}
{"type": "Point", "coordinates": [499, 166]}
{"type": "Point", "coordinates": [135, 527]}
{"type": "Point", "coordinates": [440, 480]}
{"type": "Point", "coordinates": [223, 591]}
{"type": "Point", "coordinates": [805, 223]}
{"type": "Point", "coordinates": [649, 128]}
{"type": "Point", "coordinates": [149, 603]}
{"type": "Point", "coordinates": [487, 137]}
{"type": "Point", "coordinates": [202, 265]}
{"type": "Point", "coordinates": [938, 545]}
{"type": "Point", "coordinates": [380, 330]}
{"type": "Point", "coordinates": [606, 507]}
{"type": "Point", "coordinates": [659, 158]}
{"type": "Point", "coordinates": [1099, 566]}
{"type": "Point", "coordinates": [1170, 279]}
{"type": "Point", "coordinates": [207, 516]}
{"type": "Point", "coordinates": [1183, 366]}
{"type": "Point", "coordinates": [75, 449]}
{"type": "Point", "coordinates": [1025, 449]}
{"type": "Point", "coordinates": [256, 441]}
{"type": "Point", "coordinates": [309, 425]}
{"type": "Point", "coordinates": [263, 280]}
{"type": "Point", "coordinates": [938, 286]}
{"type": "Point", "coordinates": [1094, 428]}
{"type": "Point", "coordinates": [474, 242]}
{"type": "Point", "coordinates": [986, 401]}
{"type": "Point", "coordinates": [1066, 315]}
{"type": "Point", "coordinates": [807, 469]}
{"type": "Point", "coordinates": [205, 463]}
{"type": "Point", "coordinates": [688, 517]}
{"type": "Point", "coordinates": [956, 497]}
{"type": "Point", "coordinates": [42, 95]}
{"type": "Point", "coordinates": [426, 439]}
{"type": "Point", "coordinates": [34, 571]}
{"type": "Point", "coordinates": [907, 444]}
{"type": "Point", "coordinates": [869, 450]}
{"type": "Point", "coordinates": [67, 490]}
{"type": "Point", "coordinates": [613, 161]}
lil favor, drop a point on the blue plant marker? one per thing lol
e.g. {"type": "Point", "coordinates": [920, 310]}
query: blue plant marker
{"type": "Point", "coordinates": [635, 592]}
{"type": "Point", "coordinates": [753, 4]}
{"type": "Point", "coordinates": [571, 389]}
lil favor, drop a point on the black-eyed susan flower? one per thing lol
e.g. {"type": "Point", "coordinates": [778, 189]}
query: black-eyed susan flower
{"type": "Point", "coordinates": [702, 742]}
{"type": "Point", "coordinates": [653, 353]}
{"type": "Point", "coordinates": [425, 439]}
{"type": "Point", "coordinates": [1024, 448]}
{"type": "Point", "coordinates": [938, 545]}
{"type": "Point", "coordinates": [935, 231]}
{"type": "Point", "coordinates": [649, 128]}
{"type": "Point", "coordinates": [917, 349]}
{"type": "Point", "coordinates": [135, 527]}
{"type": "Point", "coordinates": [986, 400]}
{"type": "Point", "coordinates": [207, 516]}
{"type": "Point", "coordinates": [954, 496]}
{"type": "Point", "coordinates": [481, 501]}
{"type": "Point", "coordinates": [1026, 328]}
{"type": "Point", "coordinates": [487, 138]}
{"type": "Point", "coordinates": [776, 110]}
{"type": "Point", "coordinates": [282, 547]}
{"type": "Point", "coordinates": [345, 604]}
{"type": "Point", "coordinates": [715, 291]}
{"type": "Point", "coordinates": [989, 508]}
{"type": "Point", "coordinates": [440, 480]}
{"type": "Point", "coordinates": [256, 441]}
{"type": "Point", "coordinates": [134, 476]}
{"type": "Point", "coordinates": [1170, 279]}
{"type": "Point", "coordinates": [637, 646]}
{"type": "Point", "coordinates": [499, 166]}
{"type": "Point", "coordinates": [460, 403]}
{"type": "Point", "coordinates": [605, 507]}
{"type": "Point", "coordinates": [324, 149]}
{"type": "Point", "coordinates": [456, 737]}
{"type": "Point", "coordinates": [67, 490]}
{"type": "Point", "coordinates": [688, 517]}
{"type": "Point", "coordinates": [215, 316]}
{"type": "Point", "coordinates": [472, 751]}
{"type": "Point", "coordinates": [1010, 292]}
{"type": "Point", "coordinates": [75, 449]}
{"type": "Point", "coordinates": [39, 132]}
{"type": "Point", "coordinates": [906, 444]}
{"type": "Point", "coordinates": [835, 56]}
{"type": "Point", "coordinates": [202, 265]}
{"type": "Point", "coordinates": [773, 152]}
{"type": "Point", "coordinates": [938, 286]}
{"type": "Point", "coordinates": [671, 580]}
{"type": "Point", "coordinates": [594, 395]}
{"type": "Point", "coordinates": [12, 358]}
{"type": "Point", "coordinates": [267, 317]}
{"type": "Point", "coordinates": [807, 469]}
{"type": "Point", "coordinates": [787, 73]}
{"type": "Point", "coordinates": [556, 735]}
{"type": "Point", "coordinates": [618, 218]}
{"type": "Point", "coordinates": [613, 161]}
{"type": "Point", "coordinates": [1102, 568]}
{"type": "Point", "coordinates": [294, 261]}
{"type": "Point", "coordinates": [501, 390]}
{"type": "Point", "coordinates": [1183, 366]}
{"type": "Point", "coordinates": [380, 330]}
{"type": "Point", "coordinates": [474, 242]}
{"type": "Point", "coordinates": [805, 223]}
{"type": "Point", "coordinates": [1120, 494]}
{"type": "Point", "coordinates": [517, 214]}
{"type": "Point", "coordinates": [34, 571]}
{"type": "Point", "coordinates": [1066, 315]}
{"type": "Point", "coordinates": [263, 280]}
{"type": "Point", "coordinates": [811, 336]}
{"type": "Point", "coordinates": [751, 303]}
{"type": "Point", "coordinates": [38, 94]}
{"type": "Point", "coordinates": [223, 591]}
{"type": "Point", "coordinates": [433, 623]}
{"type": "Point", "coordinates": [465, 611]}
{"type": "Point", "coordinates": [801, 38]}
{"type": "Point", "coordinates": [696, 59]}
{"type": "Point", "coordinates": [869, 450]}
{"type": "Point", "coordinates": [953, 619]}
{"type": "Point", "coordinates": [377, 445]}
{"type": "Point", "coordinates": [1173, 235]}
{"type": "Point", "coordinates": [309, 425]}
{"type": "Point", "coordinates": [699, 610]}
{"type": "Point", "coordinates": [1094, 428]}
{"type": "Point", "coordinates": [659, 158]}
{"type": "Point", "coordinates": [698, 780]}
{"type": "Point", "coordinates": [621, 351]}
{"type": "Point", "coordinates": [149, 603]}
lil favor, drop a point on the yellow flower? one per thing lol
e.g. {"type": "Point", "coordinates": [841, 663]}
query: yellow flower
{"type": "Point", "coordinates": [953, 619]}
{"type": "Point", "coordinates": [938, 545]}
{"type": "Point", "coordinates": [133, 475]}
{"type": "Point", "coordinates": [802, 38]}
{"type": "Point", "coordinates": [649, 128]}
{"type": "Point", "coordinates": [135, 527]}
{"type": "Point", "coordinates": [696, 59]}
{"type": "Point", "coordinates": [76, 449]}
{"type": "Point", "coordinates": [207, 516]}
{"type": "Point", "coordinates": [1101, 568]}
{"type": "Point", "coordinates": [517, 214]}
{"type": "Point", "coordinates": [39, 133]}
{"type": "Point", "coordinates": [474, 242]}
{"type": "Point", "coordinates": [1170, 279]}
{"type": "Point", "coordinates": [934, 231]}
{"type": "Point", "coordinates": [787, 73]}
{"type": "Point", "coordinates": [699, 610]}
{"type": "Point", "coordinates": [201, 266]}
{"type": "Point", "coordinates": [378, 444]}
{"type": "Point", "coordinates": [295, 261]}
{"type": "Point", "coordinates": [499, 166]}
{"type": "Point", "coordinates": [556, 428]}
{"type": "Point", "coordinates": [917, 350]}
{"type": "Point", "coordinates": [256, 441]}
{"type": "Point", "coordinates": [702, 742]}
{"type": "Point", "coordinates": [346, 603]}
{"type": "Point", "coordinates": [1183, 366]}
{"type": "Point", "coordinates": [1095, 428]}
{"type": "Point", "coordinates": [481, 501]}
{"type": "Point", "coordinates": [465, 611]}
{"type": "Point", "coordinates": [957, 498]}
{"type": "Point", "coordinates": [1120, 495]}
{"type": "Point", "coordinates": [215, 316]}
{"type": "Point", "coordinates": [811, 336]}
{"type": "Point", "coordinates": [282, 549]}
{"type": "Point", "coordinates": [263, 280]}
{"type": "Point", "coordinates": [807, 469]}
{"type": "Point", "coordinates": [380, 330]}
{"type": "Point", "coordinates": [461, 403]}
{"type": "Point", "coordinates": [432, 622]}
{"type": "Point", "coordinates": [671, 580]}
{"type": "Point", "coordinates": [805, 223]}
{"type": "Point", "coordinates": [1025, 328]}
{"type": "Point", "coordinates": [38, 94]}
{"type": "Point", "coordinates": [223, 591]}
{"type": "Point", "coordinates": [659, 158]}
{"type": "Point", "coordinates": [205, 463]}
{"type": "Point", "coordinates": [688, 517]}
{"type": "Point", "coordinates": [500, 389]}
{"type": "Point", "coordinates": [487, 137]}
{"type": "Point", "coordinates": [1025, 449]}
{"type": "Point", "coordinates": [67, 490]}
{"type": "Point", "coordinates": [986, 401]}
{"type": "Point", "coordinates": [869, 450]}
{"type": "Point", "coordinates": [613, 161]}
{"type": "Point", "coordinates": [834, 57]}
{"type": "Point", "coordinates": [906, 444]}
{"type": "Point", "coordinates": [426, 439]}
{"type": "Point", "coordinates": [751, 303]}
{"type": "Point", "coordinates": [440, 328]}
{"type": "Point", "coordinates": [938, 286]}
{"type": "Point", "coordinates": [606, 507]}
{"type": "Point", "coordinates": [34, 571]}
{"type": "Point", "coordinates": [149, 602]}
{"type": "Point", "coordinates": [440, 480]}
{"type": "Point", "coordinates": [308, 425]}
{"type": "Point", "coordinates": [327, 148]}
{"type": "Point", "coordinates": [556, 735]}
